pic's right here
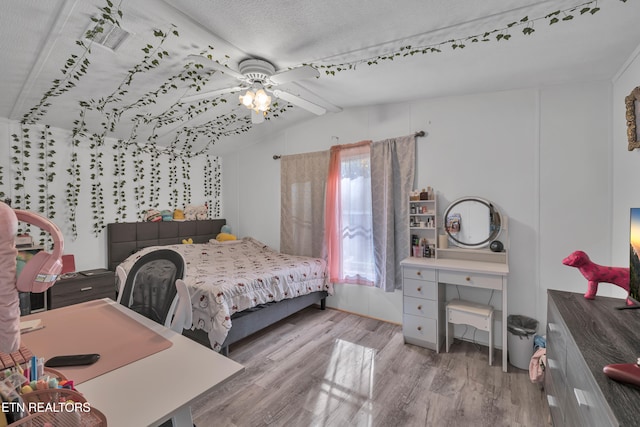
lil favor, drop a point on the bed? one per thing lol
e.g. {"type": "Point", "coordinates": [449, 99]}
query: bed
{"type": "Point", "coordinates": [237, 288]}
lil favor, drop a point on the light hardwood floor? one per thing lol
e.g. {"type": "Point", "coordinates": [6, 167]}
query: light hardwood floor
{"type": "Point", "coordinates": [330, 368]}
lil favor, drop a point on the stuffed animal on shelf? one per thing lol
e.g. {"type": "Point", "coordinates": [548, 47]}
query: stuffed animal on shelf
{"type": "Point", "coordinates": [152, 215]}
{"type": "Point", "coordinates": [595, 273]}
{"type": "Point", "coordinates": [201, 212]}
{"type": "Point", "coordinates": [190, 213]}
{"type": "Point", "coordinates": [178, 215]}
{"type": "Point", "coordinates": [195, 212]}
{"type": "Point", "coordinates": [167, 215]}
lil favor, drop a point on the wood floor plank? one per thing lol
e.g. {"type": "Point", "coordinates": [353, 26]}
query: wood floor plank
{"type": "Point", "coordinates": [329, 368]}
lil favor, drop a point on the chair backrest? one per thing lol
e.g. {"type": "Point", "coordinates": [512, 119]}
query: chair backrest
{"type": "Point", "coordinates": [150, 286]}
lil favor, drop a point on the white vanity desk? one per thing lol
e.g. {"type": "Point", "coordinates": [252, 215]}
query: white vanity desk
{"type": "Point", "coordinates": [424, 296]}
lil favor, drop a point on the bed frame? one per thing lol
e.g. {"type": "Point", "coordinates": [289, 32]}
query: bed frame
{"type": "Point", "coordinates": [126, 238]}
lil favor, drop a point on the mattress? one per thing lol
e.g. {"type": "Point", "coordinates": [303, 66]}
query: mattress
{"type": "Point", "coordinates": [228, 277]}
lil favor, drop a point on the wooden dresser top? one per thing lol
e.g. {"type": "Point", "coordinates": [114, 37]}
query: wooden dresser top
{"type": "Point", "coordinates": [604, 335]}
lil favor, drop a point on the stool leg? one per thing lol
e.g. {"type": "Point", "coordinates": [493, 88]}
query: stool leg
{"type": "Point", "coordinates": [491, 339]}
{"type": "Point", "coordinates": [448, 332]}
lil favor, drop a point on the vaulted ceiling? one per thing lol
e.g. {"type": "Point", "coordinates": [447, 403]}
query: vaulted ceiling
{"type": "Point", "coordinates": [38, 37]}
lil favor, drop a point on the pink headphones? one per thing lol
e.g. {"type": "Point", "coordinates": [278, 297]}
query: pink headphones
{"type": "Point", "coordinates": [41, 272]}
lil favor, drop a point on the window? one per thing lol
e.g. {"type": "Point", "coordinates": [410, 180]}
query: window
{"type": "Point", "coordinates": [366, 215]}
{"type": "Point", "coordinates": [349, 223]}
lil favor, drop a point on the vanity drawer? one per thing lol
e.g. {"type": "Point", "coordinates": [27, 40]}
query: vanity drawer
{"type": "Point", "coordinates": [420, 289]}
{"type": "Point", "coordinates": [419, 273]}
{"type": "Point", "coordinates": [470, 279]}
{"type": "Point", "coordinates": [420, 330]}
{"type": "Point", "coordinates": [421, 307]}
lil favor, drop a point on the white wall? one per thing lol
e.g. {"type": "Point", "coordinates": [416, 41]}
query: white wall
{"type": "Point", "coordinates": [542, 155]}
{"type": "Point", "coordinates": [626, 164]}
{"type": "Point", "coordinates": [575, 184]}
{"type": "Point", "coordinates": [89, 249]}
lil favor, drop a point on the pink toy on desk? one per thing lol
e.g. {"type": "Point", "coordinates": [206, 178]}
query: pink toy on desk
{"type": "Point", "coordinates": [39, 274]}
{"type": "Point", "coordinates": [595, 273]}
{"type": "Point", "coordinates": [42, 271]}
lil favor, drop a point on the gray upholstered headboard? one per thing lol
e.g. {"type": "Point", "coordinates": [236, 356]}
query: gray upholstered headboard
{"type": "Point", "coordinates": [125, 238]}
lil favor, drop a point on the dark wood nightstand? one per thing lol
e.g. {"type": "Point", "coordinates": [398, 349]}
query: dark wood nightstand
{"type": "Point", "coordinates": [82, 286]}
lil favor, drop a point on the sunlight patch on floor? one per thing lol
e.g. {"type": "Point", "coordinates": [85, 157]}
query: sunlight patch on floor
{"type": "Point", "coordinates": [347, 386]}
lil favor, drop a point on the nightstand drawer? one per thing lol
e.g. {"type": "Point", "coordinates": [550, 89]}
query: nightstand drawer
{"type": "Point", "coordinates": [470, 279]}
{"type": "Point", "coordinates": [82, 288]}
{"type": "Point", "coordinates": [420, 289]}
{"type": "Point", "coordinates": [421, 307]}
{"type": "Point", "coordinates": [419, 273]}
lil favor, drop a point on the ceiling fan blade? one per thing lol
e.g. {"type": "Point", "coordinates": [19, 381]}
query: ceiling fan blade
{"type": "Point", "coordinates": [310, 96]}
{"type": "Point", "coordinates": [209, 94]}
{"type": "Point", "coordinates": [300, 102]}
{"type": "Point", "coordinates": [256, 117]}
{"type": "Point", "coordinates": [216, 66]}
{"type": "Point", "coordinates": [300, 73]}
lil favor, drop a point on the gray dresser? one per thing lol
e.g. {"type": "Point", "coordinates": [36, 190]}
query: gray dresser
{"type": "Point", "coordinates": [582, 337]}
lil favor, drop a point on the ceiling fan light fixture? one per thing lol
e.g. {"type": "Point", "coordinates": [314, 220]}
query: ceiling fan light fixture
{"type": "Point", "coordinates": [247, 99]}
{"type": "Point", "coordinates": [259, 101]}
{"type": "Point", "coordinates": [262, 101]}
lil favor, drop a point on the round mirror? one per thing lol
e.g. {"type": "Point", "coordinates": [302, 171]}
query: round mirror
{"type": "Point", "coordinates": [472, 222]}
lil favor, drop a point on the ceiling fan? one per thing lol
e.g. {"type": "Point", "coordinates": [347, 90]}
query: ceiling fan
{"type": "Point", "coordinates": [259, 78]}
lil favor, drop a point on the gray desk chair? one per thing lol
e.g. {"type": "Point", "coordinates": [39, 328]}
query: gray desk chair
{"type": "Point", "coordinates": [155, 289]}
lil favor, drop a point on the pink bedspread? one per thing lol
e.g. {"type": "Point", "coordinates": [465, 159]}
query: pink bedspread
{"type": "Point", "coordinates": [227, 277]}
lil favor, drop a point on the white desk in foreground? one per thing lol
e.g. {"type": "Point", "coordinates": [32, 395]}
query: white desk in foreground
{"type": "Point", "coordinates": [154, 389]}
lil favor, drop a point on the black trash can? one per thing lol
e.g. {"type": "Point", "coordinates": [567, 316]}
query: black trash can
{"type": "Point", "coordinates": [520, 339]}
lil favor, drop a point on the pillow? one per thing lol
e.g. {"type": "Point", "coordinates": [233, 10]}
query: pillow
{"type": "Point", "coordinates": [224, 237]}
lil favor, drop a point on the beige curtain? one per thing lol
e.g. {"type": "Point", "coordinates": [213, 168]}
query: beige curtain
{"type": "Point", "coordinates": [392, 175]}
{"type": "Point", "coordinates": [303, 179]}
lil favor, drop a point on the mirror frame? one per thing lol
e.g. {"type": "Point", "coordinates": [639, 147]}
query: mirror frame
{"type": "Point", "coordinates": [492, 236]}
{"type": "Point", "coordinates": [631, 116]}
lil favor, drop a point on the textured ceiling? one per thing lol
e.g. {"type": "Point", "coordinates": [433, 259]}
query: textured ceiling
{"type": "Point", "coordinates": [37, 37]}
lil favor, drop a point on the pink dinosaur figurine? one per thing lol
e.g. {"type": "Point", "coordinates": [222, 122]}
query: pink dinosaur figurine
{"type": "Point", "coordinates": [595, 273]}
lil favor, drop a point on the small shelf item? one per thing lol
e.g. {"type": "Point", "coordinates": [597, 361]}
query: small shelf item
{"type": "Point", "coordinates": [423, 223]}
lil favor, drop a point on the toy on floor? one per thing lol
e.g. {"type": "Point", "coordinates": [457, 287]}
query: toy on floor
{"type": "Point", "coordinates": [595, 273]}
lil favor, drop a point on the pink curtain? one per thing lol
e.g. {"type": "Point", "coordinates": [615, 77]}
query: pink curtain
{"type": "Point", "coordinates": [348, 223]}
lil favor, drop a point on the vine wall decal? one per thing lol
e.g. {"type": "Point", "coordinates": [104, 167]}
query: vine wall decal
{"type": "Point", "coordinates": [137, 170]}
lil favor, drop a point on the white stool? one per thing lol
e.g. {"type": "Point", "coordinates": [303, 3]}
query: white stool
{"type": "Point", "coordinates": [480, 316]}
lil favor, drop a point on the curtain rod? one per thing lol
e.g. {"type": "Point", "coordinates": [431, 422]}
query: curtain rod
{"type": "Point", "coordinates": [417, 134]}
